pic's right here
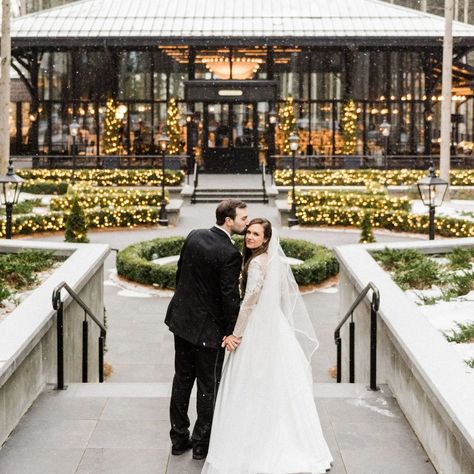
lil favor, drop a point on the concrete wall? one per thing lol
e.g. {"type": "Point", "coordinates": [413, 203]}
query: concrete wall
{"type": "Point", "coordinates": [424, 372]}
{"type": "Point", "coordinates": [28, 360]}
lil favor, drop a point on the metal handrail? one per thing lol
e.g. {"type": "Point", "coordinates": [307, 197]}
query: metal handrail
{"type": "Point", "coordinates": [374, 307]}
{"type": "Point", "coordinates": [195, 183]}
{"type": "Point", "coordinates": [58, 306]}
{"type": "Point", "coordinates": [264, 187]}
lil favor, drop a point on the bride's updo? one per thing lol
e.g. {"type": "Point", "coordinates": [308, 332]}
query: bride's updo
{"type": "Point", "coordinates": [249, 254]}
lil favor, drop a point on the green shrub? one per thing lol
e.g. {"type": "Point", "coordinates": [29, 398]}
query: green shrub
{"type": "Point", "coordinates": [366, 235]}
{"type": "Point", "coordinates": [460, 258]}
{"type": "Point", "coordinates": [41, 186]}
{"type": "Point", "coordinates": [134, 262]}
{"type": "Point", "coordinates": [23, 207]}
{"type": "Point", "coordinates": [463, 333]}
{"type": "Point", "coordinates": [76, 224]}
{"type": "Point", "coordinates": [470, 362]}
{"type": "Point", "coordinates": [4, 294]}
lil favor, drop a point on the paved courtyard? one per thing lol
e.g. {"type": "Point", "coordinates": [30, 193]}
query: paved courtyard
{"type": "Point", "coordinates": [122, 426]}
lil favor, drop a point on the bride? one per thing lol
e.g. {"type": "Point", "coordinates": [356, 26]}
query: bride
{"type": "Point", "coordinates": [265, 419]}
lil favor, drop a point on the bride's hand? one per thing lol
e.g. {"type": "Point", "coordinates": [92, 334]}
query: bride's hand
{"type": "Point", "coordinates": [232, 342]}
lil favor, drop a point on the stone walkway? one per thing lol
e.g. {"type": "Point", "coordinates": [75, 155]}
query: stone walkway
{"type": "Point", "coordinates": [122, 426]}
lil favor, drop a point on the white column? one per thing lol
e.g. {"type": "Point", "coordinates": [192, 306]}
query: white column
{"type": "Point", "coordinates": [446, 90]}
{"type": "Point", "coordinates": [466, 11]}
{"type": "Point", "coordinates": [5, 54]}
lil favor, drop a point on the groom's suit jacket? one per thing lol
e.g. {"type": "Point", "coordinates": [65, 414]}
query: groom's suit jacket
{"type": "Point", "coordinates": [206, 302]}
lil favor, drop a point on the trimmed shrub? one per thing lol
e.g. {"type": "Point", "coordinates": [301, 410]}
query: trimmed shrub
{"type": "Point", "coordinates": [41, 186]}
{"type": "Point", "coordinates": [366, 235]}
{"type": "Point", "coordinates": [134, 262]}
{"type": "Point", "coordinates": [76, 224]}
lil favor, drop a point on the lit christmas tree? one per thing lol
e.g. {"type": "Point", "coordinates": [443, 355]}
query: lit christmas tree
{"type": "Point", "coordinates": [287, 123]}
{"type": "Point", "coordinates": [172, 127]}
{"type": "Point", "coordinates": [111, 128]}
{"type": "Point", "coordinates": [349, 128]}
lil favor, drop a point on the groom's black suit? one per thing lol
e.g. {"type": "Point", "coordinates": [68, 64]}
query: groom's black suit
{"type": "Point", "coordinates": [202, 311]}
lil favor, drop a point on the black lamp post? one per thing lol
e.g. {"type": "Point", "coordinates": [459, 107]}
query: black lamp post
{"type": "Point", "coordinates": [163, 140]}
{"type": "Point", "coordinates": [294, 142]}
{"type": "Point", "coordinates": [73, 130]}
{"type": "Point", "coordinates": [432, 191]}
{"type": "Point", "coordinates": [272, 123]}
{"type": "Point", "coordinates": [385, 130]}
{"type": "Point", "coordinates": [10, 192]}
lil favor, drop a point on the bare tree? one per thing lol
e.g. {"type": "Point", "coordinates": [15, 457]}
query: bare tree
{"type": "Point", "coordinates": [5, 54]}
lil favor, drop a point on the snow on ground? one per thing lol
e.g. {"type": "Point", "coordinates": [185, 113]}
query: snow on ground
{"type": "Point", "coordinates": [453, 208]}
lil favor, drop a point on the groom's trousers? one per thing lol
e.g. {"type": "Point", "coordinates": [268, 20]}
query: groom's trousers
{"type": "Point", "coordinates": [191, 363]}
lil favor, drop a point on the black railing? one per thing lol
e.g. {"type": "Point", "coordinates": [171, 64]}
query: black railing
{"type": "Point", "coordinates": [374, 307]}
{"type": "Point", "coordinates": [58, 305]}
{"type": "Point", "coordinates": [195, 183]}
{"type": "Point", "coordinates": [264, 186]}
{"type": "Point", "coordinates": [315, 162]}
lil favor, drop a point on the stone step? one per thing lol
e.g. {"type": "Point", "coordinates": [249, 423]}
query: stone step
{"type": "Point", "coordinates": [163, 390]}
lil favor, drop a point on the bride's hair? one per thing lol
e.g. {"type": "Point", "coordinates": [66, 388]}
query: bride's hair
{"type": "Point", "coordinates": [248, 254]}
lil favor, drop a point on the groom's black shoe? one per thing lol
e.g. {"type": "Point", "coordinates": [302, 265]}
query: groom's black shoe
{"type": "Point", "coordinates": [181, 448]}
{"type": "Point", "coordinates": [200, 452]}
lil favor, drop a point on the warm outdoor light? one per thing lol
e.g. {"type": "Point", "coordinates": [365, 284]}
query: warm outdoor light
{"type": "Point", "coordinates": [273, 117]}
{"type": "Point", "coordinates": [385, 130]}
{"type": "Point", "coordinates": [163, 141]}
{"type": "Point", "coordinates": [73, 131]}
{"type": "Point", "coordinates": [294, 140]}
{"type": "Point", "coordinates": [432, 191]}
{"type": "Point", "coordinates": [10, 192]}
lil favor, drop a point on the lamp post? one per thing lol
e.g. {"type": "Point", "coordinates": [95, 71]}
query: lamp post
{"type": "Point", "coordinates": [272, 123]}
{"type": "Point", "coordinates": [294, 142]}
{"type": "Point", "coordinates": [385, 129]}
{"type": "Point", "coordinates": [163, 140]}
{"type": "Point", "coordinates": [432, 191]}
{"type": "Point", "coordinates": [10, 192]}
{"type": "Point", "coordinates": [73, 130]}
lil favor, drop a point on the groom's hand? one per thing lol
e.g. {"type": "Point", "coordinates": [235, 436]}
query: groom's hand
{"type": "Point", "coordinates": [231, 342]}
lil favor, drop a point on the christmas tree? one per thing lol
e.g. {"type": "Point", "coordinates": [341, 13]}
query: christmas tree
{"type": "Point", "coordinates": [366, 236]}
{"type": "Point", "coordinates": [111, 128]}
{"type": "Point", "coordinates": [172, 127]}
{"type": "Point", "coordinates": [349, 128]}
{"type": "Point", "coordinates": [76, 224]}
{"type": "Point", "coordinates": [287, 123]}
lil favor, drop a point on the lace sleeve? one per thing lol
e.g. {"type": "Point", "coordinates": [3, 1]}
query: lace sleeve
{"type": "Point", "coordinates": [255, 279]}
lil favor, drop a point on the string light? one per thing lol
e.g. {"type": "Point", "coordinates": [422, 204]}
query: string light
{"type": "Point", "coordinates": [349, 128]}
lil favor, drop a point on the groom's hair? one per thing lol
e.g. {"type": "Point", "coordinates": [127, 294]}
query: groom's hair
{"type": "Point", "coordinates": [227, 208]}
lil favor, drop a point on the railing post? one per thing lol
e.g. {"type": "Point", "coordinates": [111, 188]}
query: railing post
{"type": "Point", "coordinates": [373, 343]}
{"type": "Point", "coordinates": [351, 352]}
{"type": "Point", "coordinates": [60, 344]}
{"type": "Point", "coordinates": [101, 358]}
{"type": "Point", "coordinates": [85, 350]}
{"type": "Point", "coordinates": [339, 359]}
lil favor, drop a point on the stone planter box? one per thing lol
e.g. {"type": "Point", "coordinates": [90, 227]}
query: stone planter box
{"type": "Point", "coordinates": [28, 360]}
{"type": "Point", "coordinates": [424, 372]}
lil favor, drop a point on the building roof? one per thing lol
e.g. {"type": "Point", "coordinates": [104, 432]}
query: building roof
{"type": "Point", "coordinates": [181, 20]}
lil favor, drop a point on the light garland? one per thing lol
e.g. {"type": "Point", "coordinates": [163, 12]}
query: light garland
{"type": "Point", "coordinates": [349, 128]}
{"type": "Point", "coordinates": [173, 128]}
{"type": "Point", "coordinates": [287, 123]}
{"type": "Point", "coordinates": [111, 137]}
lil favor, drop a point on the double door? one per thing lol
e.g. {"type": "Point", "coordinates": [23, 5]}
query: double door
{"type": "Point", "coordinates": [230, 137]}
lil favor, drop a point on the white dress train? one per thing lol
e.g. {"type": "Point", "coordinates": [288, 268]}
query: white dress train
{"type": "Point", "coordinates": [265, 419]}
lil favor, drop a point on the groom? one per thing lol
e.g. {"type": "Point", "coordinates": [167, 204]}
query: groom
{"type": "Point", "coordinates": [202, 312]}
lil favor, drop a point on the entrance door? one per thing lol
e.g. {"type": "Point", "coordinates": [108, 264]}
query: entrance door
{"type": "Point", "coordinates": [230, 138]}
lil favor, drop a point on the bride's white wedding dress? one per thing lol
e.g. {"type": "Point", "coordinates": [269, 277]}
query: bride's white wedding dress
{"type": "Point", "coordinates": [265, 419]}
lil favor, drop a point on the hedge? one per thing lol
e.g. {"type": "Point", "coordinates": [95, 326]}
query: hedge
{"type": "Point", "coordinates": [134, 262]}
{"type": "Point", "coordinates": [343, 199]}
{"type": "Point", "coordinates": [399, 221]}
{"type": "Point", "coordinates": [108, 197]}
{"type": "Point", "coordinates": [362, 177]}
{"type": "Point", "coordinates": [99, 177]}
{"type": "Point", "coordinates": [41, 186]}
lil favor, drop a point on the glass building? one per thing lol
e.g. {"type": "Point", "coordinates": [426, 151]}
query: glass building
{"type": "Point", "coordinates": [229, 64]}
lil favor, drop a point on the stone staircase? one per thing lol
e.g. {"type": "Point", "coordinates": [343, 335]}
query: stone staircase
{"type": "Point", "coordinates": [203, 195]}
{"type": "Point", "coordinates": [122, 428]}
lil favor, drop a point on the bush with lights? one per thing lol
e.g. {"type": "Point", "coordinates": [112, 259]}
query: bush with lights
{"type": "Point", "coordinates": [362, 177]}
{"type": "Point", "coordinates": [76, 223]}
{"type": "Point", "coordinates": [366, 235]}
{"type": "Point", "coordinates": [311, 199]}
{"type": "Point", "coordinates": [111, 138]}
{"type": "Point", "coordinates": [107, 198]}
{"type": "Point", "coordinates": [287, 124]}
{"type": "Point", "coordinates": [172, 128]}
{"type": "Point", "coordinates": [100, 177]}
{"type": "Point", "coordinates": [349, 128]}
{"type": "Point", "coordinates": [134, 262]}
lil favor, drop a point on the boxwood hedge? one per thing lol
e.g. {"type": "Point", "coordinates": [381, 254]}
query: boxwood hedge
{"type": "Point", "coordinates": [134, 262]}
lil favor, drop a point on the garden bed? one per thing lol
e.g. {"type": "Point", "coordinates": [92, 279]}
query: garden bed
{"type": "Point", "coordinates": [443, 287]}
{"type": "Point", "coordinates": [21, 273]}
{"type": "Point", "coordinates": [135, 262]}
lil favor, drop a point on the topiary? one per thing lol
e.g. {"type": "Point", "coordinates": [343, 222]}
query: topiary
{"type": "Point", "coordinates": [366, 236]}
{"type": "Point", "coordinates": [76, 224]}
